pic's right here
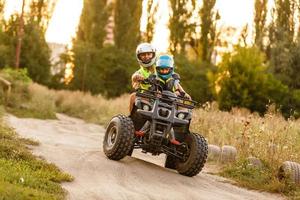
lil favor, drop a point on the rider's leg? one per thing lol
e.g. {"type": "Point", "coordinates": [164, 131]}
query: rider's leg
{"type": "Point", "coordinates": [131, 101]}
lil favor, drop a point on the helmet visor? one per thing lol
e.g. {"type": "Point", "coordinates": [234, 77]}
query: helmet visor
{"type": "Point", "coordinates": [146, 57]}
{"type": "Point", "coordinates": [163, 70]}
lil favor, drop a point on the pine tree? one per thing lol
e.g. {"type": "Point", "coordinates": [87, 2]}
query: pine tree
{"type": "Point", "coordinates": [127, 24]}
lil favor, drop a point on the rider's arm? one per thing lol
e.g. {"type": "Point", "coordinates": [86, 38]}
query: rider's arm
{"type": "Point", "coordinates": [135, 80]}
{"type": "Point", "coordinates": [180, 91]}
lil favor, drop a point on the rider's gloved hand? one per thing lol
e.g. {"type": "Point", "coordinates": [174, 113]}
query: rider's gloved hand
{"type": "Point", "coordinates": [137, 78]}
{"type": "Point", "coordinates": [186, 95]}
{"type": "Point", "coordinates": [183, 94]}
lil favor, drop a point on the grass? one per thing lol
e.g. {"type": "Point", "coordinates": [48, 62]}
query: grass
{"type": "Point", "coordinates": [37, 102]}
{"type": "Point", "coordinates": [94, 109]}
{"type": "Point", "coordinates": [262, 179]}
{"type": "Point", "coordinates": [22, 175]}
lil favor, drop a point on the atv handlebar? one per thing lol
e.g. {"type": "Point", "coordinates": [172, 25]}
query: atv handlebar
{"type": "Point", "coordinates": [180, 101]}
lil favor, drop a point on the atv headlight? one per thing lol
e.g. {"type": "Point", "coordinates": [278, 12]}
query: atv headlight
{"type": "Point", "coordinates": [181, 115]}
{"type": "Point", "coordinates": [146, 107]}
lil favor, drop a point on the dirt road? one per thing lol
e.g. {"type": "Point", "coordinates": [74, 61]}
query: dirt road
{"type": "Point", "coordinates": [76, 147]}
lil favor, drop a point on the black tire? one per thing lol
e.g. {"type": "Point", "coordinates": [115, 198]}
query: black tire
{"type": "Point", "coordinates": [198, 150]}
{"type": "Point", "coordinates": [118, 139]}
{"type": "Point", "coordinates": [130, 152]}
{"type": "Point", "coordinates": [170, 162]}
{"type": "Point", "coordinates": [290, 170]}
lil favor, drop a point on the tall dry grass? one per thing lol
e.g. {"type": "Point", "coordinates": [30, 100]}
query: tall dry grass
{"type": "Point", "coordinates": [94, 109]}
{"type": "Point", "coordinates": [270, 138]}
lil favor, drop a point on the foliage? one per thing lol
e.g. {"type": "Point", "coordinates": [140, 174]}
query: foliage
{"type": "Point", "coordinates": [179, 25]}
{"type": "Point", "coordinates": [245, 83]}
{"type": "Point", "coordinates": [281, 35]}
{"type": "Point", "coordinates": [99, 69]}
{"type": "Point", "coordinates": [95, 109]}
{"type": "Point", "coordinates": [127, 24]}
{"type": "Point", "coordinates": [151, 11]}
{"type": "Point", "coordinates": [271, 138]}
{"type": "Point", "coordinates": [195, 78]}
{"type": "Point", "coordinates": [17, 77]}
{"type": "Point", "coordinates": [208, 37]}
{"type": "Point", "coordinates": [93, 19]}
{"type": "Point", "coordinates": [41, 12]}
{"type": "Point", "coordinates": [6, 48]}
{"type": "Point", "coordinates": [22, 176]}
{"type": "Point", "coordinates": [258, 178]}
{"type": "Point", "coordinates": [2, 4]}
{"type": "Point", "coordinates": [35, 53]}
{"type": "Point", "coordinates": [108, 74]}
{"type": "Point", "coordinates": [27, 99]}
{"type": "Point", "coordinates": [260, 22]}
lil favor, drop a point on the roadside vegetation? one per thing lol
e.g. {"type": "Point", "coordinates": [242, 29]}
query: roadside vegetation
{"type": "Point", "coordinates": [22, 175]}
{"type": "Point", "coordinates": [271, 138]}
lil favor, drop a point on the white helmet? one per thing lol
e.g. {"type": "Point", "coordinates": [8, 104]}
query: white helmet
{"type": "Point", "coordinates": [146, 48]}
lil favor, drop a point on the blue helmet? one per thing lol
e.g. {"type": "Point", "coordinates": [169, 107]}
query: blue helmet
{"type": "Point", "coordinates": [165, 66]}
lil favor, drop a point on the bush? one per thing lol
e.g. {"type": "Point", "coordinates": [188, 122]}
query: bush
{"type": "Point", "coordinates": [28, 99]}
{"type": "Point", "coordinates": [195, 78]}
{"type": "Point", "coordinates": [244, 82]}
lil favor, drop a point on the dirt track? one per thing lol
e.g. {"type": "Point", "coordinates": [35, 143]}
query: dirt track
{"type": "Point", "coordinates": [76, 147]}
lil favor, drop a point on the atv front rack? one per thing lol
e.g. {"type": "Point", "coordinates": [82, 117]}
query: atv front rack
{"type": "Point", "coordinates": [176, 100]}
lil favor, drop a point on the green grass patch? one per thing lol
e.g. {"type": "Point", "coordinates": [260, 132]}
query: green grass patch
{"type": "Point", "coordinates": [264, 178]}
{"type": "Point", "coordinates": [22, 175]}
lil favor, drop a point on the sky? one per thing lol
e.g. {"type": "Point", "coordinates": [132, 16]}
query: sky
{"type": "Point", "coordinates": [62, 28]}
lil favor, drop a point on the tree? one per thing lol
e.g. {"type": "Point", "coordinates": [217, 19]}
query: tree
{"type": "Point", "coordinates": [41, 12]}
{"type": "Point", "coordinates": [127, 24]}
{"type": "Point", "coordinates": [179, 25]}
{"type": "Point", "coordinates": [194, 77]}
{"type": "Point", "coordinates": [35, 54]}
{"type": "Point", "coordinates": [2, 4]}
{"type": "Point", "coordinates": [208, 29]}
{"type": "Point", "coordinates": [282, 39]}
{"type": "Point", "coordinates": [245, 83]}
{"type": "Point", "coordinates": [91, 28]}
{"type": "Point", "coordinates": [151, 11]}
{"type": "Point", "coordinates": [260, 17]}
{"type": "Point", "coordinates": [3, 46]}
{"type": "Point", "coordinates": [89, 40]}
{"type": "Point", "coordinates": [34, 51]}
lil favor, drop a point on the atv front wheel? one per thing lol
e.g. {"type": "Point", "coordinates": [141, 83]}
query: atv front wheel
{"type": "Point", "coordinates": [196, 155]}
{"type": "Point", "coordinates": [170, 162]}
{"type": "Point", "coordinates": [118, 139]}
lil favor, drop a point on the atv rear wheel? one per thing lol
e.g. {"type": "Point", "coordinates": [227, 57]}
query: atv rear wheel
{"type": "Point", "coordinates": [118, 140]}
{"type": "Point", "coordinates": [196, 155]}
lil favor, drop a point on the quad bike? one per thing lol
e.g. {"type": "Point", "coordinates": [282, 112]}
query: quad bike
{"type": "Point", "coordinates": [168, 118]}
